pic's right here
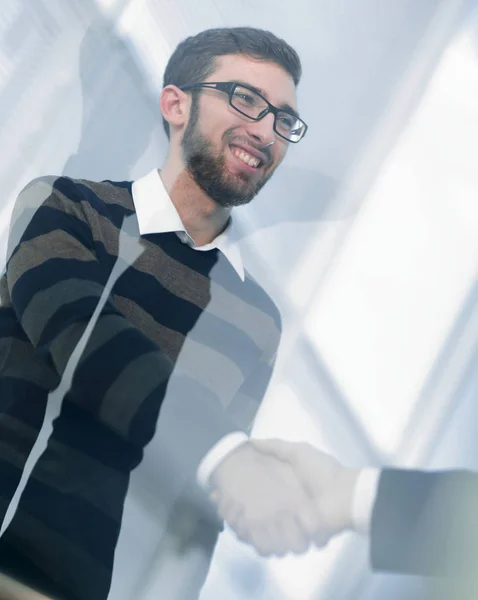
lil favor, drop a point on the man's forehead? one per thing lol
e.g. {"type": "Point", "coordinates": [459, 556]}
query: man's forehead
{"type": "Point", "coordinates": [272, 80]}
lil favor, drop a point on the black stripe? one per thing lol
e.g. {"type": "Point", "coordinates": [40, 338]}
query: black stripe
{"type": "Point", "coordinates": [9, 325]}
{"type": "Point", "coordinates": [115, 213]}
{"type": "Point", "coordinates": [82, 431]}
{"type": "Point", "coordinates": [182, 316]}
{"type": "Point", "coordinates": [47, 219]}
{"type": "Point", "coordinates": [113, 356]}
{"type": "Point", "coordinates": [79, 522]}
{"type": "Point", "coordinates": [23, 400]}
{"type": "Point", "coordinates": [53, 271]}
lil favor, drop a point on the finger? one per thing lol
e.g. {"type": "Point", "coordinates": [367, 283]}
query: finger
{"type": "Point", "coordinates": [278, 448]}
{"type": "Point", "coordinates": [230, 511]}
{"type": "Point", "coordinates": [278, 537]}
{"type": "Point", "coordinates": [274, 539]}
{"type": "Point", "coordinates": [293, 538]}
{"type": "Point", "coordinates": [257, 534]}
{"type": "Point", "coordinates": [323, 534]}
{"type": "Point", "coordinates": [264, 543]}
{"type": "Point", "coordinates": [309, 517]}
{"type": "Point", "coordinates": [241, 529]}
{"type": "Point", "coordinates": [252, 533]}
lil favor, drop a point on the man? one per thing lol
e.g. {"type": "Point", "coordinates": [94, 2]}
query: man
{"type": "Point", "coordinates": [131, 300]}
{"type": "Point", "coordinates": [419, 523]}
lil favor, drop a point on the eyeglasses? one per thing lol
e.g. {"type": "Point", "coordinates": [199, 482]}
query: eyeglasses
{"type": "Point", "coordinates": [253, 105]}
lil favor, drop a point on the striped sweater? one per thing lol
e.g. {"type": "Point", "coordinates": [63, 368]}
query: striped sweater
{"type": "Point", "coordinates": [182, 350]}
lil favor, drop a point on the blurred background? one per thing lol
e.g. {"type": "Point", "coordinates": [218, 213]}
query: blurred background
{"type": "Point", "coordinates": [366, 238]}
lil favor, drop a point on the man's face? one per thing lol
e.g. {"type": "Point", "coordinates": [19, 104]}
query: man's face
{"type": "Point", "coordinates": [217, 134]}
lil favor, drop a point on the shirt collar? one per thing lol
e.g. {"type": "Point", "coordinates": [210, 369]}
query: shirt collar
{"type": "Point", "coordinates": [156, 213]}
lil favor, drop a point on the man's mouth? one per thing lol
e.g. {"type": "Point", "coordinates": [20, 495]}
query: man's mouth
{"type": "Point", "coordinates": [249, 160]}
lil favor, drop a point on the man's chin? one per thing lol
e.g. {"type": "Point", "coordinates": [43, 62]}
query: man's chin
{"type": "Point", "coordinates": [233, 197]}
{"type": "Point", "coordinates": [232, 201]}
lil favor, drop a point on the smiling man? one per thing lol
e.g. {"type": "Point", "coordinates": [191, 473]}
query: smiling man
{"type": "Point", "coordinates": [179, 345]}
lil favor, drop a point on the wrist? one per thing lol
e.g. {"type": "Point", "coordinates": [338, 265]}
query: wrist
{"type": "Point", "coordinates": [224, 465]}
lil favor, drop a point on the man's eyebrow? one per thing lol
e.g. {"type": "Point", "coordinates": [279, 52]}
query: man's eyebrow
{"type": "Point", "coordinates": [284, 106]}
{"type": "Point", "coordinates": [288, 108]}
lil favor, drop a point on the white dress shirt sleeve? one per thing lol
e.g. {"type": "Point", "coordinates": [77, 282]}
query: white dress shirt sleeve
{"type": "Point", "coordinates": [365, 494]}
{"type": "Point", "coordinates": [217, 453]}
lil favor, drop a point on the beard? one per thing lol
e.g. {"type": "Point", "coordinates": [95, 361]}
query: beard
{"type": "Point", "coordinates": [209, 170]}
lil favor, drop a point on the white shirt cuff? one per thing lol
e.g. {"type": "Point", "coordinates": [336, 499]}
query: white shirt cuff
{"type": "Point", "coordinates": [365, 494]}
{"type": "Point", "coordinates": [217, 453]}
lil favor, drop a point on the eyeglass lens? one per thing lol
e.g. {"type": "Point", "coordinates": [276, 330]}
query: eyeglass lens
{"type": "Point", "coordinates": [251, 104]}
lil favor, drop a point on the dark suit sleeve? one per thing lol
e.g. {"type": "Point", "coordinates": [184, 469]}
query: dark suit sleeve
{"type": "Point", "coordinates": [425, 523]}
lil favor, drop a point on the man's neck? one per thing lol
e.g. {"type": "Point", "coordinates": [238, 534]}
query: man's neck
{"type": "Point", "coordinates": [203, 219]}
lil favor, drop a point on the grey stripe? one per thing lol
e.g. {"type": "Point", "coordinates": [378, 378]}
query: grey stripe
{"type": "Point", "coordinates": [37, 193]}
{"type": "Point", "coordinates": [169, 340]}
{"type": "Point", "coordinates": [109, 193]}
{"type": "Point", "coordinates": [67, 340]}
{"type": "Point", "coordinates": [213, 370]}
{"type": "Point", "coordinates": [35, 252]}
{"type": "Point", "coordinates": [5, 300]}
{"type": "Point", "coordinates": [46, 303]}
{"type": "Point", "coordinates": [200, 362]}
{"type": "Point", "coordinates": [30, 532]}
{"type": "Point", "coordinates": [64, 344]}
{"type": "Point", "coordinates": [62, 468]}
{"type": "Point", "coordinates": [248, 318]}
{"type": "Point", "coordinates": [135, 383]}
{"type": "Point", "coordinates": [242, 411]}
{"type": "Point", "coordinates": [206, 294]}
{"type": "Point", "coordinates": [23, 363]}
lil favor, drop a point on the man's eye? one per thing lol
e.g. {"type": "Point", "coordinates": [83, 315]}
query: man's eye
{"type": "Point", "coordinates": [244, 98]}
{"type": "Point", "coordinates": [286, 122]}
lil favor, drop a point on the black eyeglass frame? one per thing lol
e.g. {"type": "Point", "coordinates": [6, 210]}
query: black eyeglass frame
{"type": "Point", "coordinates": [228, 87]}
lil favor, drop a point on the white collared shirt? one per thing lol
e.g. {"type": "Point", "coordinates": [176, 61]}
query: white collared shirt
{"type": "Point", "coordinates": [156, 213]}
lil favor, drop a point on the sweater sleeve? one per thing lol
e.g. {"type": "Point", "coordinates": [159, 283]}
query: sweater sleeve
{"type": "Point", "coordinates": [61, 295]}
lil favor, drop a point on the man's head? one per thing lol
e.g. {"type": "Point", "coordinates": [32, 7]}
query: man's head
{"type": "Point", "coordinates": [218, 144]}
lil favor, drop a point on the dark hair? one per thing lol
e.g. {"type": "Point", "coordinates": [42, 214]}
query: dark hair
{"type": "Point", "coordinates": [194, 58]}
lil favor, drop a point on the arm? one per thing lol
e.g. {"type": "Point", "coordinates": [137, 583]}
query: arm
{"type": "Point", "coordinates": [56, 284]}
{"type": "Point", "coordinates": [420, 523]}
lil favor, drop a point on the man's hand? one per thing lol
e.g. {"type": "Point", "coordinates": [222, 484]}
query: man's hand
{"type": "Point", "coordinates": [263, 501]}
{"type": "Point", "coordinates": [329, 484]}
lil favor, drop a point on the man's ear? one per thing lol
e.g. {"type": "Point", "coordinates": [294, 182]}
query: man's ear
{"type": "Point", "coordinates": [174, 105]}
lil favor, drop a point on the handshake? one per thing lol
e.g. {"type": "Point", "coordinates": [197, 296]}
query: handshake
{"type": "Point", "coordinates": [281, 497]}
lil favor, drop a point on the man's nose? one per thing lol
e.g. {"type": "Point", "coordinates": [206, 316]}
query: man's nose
{"type": "Point", "coordinates": [263, 130]}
